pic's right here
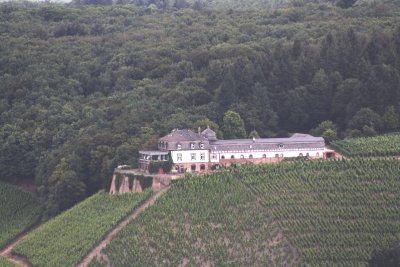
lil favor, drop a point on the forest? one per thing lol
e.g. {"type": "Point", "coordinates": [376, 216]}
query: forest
{"type": "Point", "coordinates": [85, 85]}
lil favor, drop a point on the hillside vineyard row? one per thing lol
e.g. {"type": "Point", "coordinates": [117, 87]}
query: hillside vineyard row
{"type": "Point", "coordinates": [320, 213]}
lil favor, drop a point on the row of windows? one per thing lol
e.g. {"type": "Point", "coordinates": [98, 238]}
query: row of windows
{"type": "Point", "coordinates": [192, 156]}
{"type": "Point", "coordinates": [215, 157]}
{"type": "Point", "coordinates": [264, 156]}
{"type": "Point", "coordinates": [193, 168]}
{"type": "Point", "coordinates": [263, 150]}
{"type": "Point", "coordinates": [241, 156]}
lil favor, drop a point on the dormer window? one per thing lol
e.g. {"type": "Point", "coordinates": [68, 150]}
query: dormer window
{"type": "Point", "coordinates": [192, 145]}
{"type": "Point", "coordinates": [178, 146]}
{"type": "Point", "coordinates": [201, 145]}
{"type": "Point", "coordinates": [280, 145]}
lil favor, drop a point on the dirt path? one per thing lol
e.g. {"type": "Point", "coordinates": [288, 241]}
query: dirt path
{"type": "Point", "coordinates": [97, 250]}
{"type": "Point", "coordinates": [7, 252]}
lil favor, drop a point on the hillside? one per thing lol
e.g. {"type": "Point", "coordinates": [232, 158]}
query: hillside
{"type": "Point", "coordinates": [67, 238]}
{"type": "Point", "coordinates": [320, 213]}
{"type": "Point", "coordinates": [377, 146]}
{"type": "Point", "coordinates": [19, 211]}
{"type": "Point", "coordinates": [84, 87]}
{"type": "Point", "coordinates": [6, 263]}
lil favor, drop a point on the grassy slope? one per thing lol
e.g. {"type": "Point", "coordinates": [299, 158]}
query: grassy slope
{"type": "Point", "coordinates": [317, 213]}
{"type": "Point", "coordinates": [18, 209]}
{"type": "Point", "coordinates": [66, 239]}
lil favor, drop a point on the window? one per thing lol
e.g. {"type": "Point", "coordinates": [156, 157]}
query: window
{"type": "Point", "coordinates": [232, 157]}
{"type": "Point", "coordinates": [276, 155]}
{"type": "Point", "coordinates": [213, 156]}
{"type": "Point", "coordinates": [264, 155]}
{"type": "Point", "coordinates": [308, 154]}
{"type": "Point", "coordinates": [182, 169]}
{"type": "Point", "coordinates": [202, 156]}
{"type": "Point", "coordinates": [317, 155]}
{"type": "Point", "coordinates": [301, 154]}
{"type": "Point", "coordinates": [250, 156]}
{"type": "Point", "coordinates": [281, 155]}
{"type": "Point", "coordinates": [178, 146]}
{"type": "Point", "coordinates": [192, 145]}
{"type": "Point", "coordinates": [179, 156]}
{"type": "Point", "coordinates": [202, 167]}
{"type": "Point", "coordinates": [193, 156]}
{"type": "Point", "coordinates": [241, 156]}
{"type": "Point", "coordinates": [201, 145]}
{"type": "Point", "coordinates": [222, 157]}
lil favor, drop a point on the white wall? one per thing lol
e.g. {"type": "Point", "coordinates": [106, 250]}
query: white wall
{"type": "Point", "coordinates": [270, 154]}
{"type": "Point", "coordinates": [186, 156]}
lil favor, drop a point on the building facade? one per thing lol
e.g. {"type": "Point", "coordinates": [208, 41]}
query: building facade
{"type": "Point", "coordinates": [201, 152]}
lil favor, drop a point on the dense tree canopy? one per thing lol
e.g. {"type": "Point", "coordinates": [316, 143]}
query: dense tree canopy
{"type": "Point", "coordinates": [84, 87]}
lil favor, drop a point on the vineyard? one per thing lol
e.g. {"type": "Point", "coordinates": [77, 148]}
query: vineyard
{"type": "Point", "coordinates": [318, 213]}
{"type": "Point", "coordinates": [383, 145]}
{"type": "Point", "coordinates": [66, 239]}
{"type": "Point", "coordinates": [19, 210]}
{"type": "Point", "coordinates": [4, 262]}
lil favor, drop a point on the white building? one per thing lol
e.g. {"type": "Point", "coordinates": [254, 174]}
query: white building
{"type": "Point", "coordinates": [201, 152]}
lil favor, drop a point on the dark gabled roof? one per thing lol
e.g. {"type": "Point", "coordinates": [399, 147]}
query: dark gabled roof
{"type": "Point", "coordinates": [209, 134]}
{"type": "Point", "coordinates": [297, 141]}
{"type": "Point", "coordinates": [153, 152]}
{"type": "Point", "coordinates": [177, 135]}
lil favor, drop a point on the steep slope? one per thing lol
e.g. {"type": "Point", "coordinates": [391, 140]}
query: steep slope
{"type": "Point", "coordinates": [19, 210]}
{"type": "Point", "coordinates": [330, 213]}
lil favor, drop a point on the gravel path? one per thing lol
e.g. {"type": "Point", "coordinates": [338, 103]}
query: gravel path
{"type": "Point", "coordinates": [7, 252]}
